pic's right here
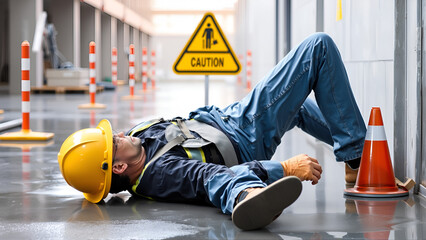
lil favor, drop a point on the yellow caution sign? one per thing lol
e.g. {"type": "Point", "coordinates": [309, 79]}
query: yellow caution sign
{"type": "Point", "coordinates": [207, 52]}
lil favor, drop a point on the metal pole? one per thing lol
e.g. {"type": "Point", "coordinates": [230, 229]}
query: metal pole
{"type": "Point", "coordinates": [206, 87]}
{"type": "Point", "coordinates": [420, 73]}
{"type": "Point", "coordinates": [400, 87]}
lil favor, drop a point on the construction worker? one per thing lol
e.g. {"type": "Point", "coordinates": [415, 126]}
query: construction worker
{"type": "Point", "coordinates": [220, 156]}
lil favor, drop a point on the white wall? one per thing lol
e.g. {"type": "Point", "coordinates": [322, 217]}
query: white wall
{"type": "Point", "coordinates": [303, 20]}
{"type": "Point", "coordinates": [167, 50]}
{"type": "Point", "coordinates": [261, 36]}
{"type": "Point", "coordinates": [255, 31]}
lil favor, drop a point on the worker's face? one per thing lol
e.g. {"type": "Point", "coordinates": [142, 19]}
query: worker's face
{"type": "Point", "coordinates": [126, 148]}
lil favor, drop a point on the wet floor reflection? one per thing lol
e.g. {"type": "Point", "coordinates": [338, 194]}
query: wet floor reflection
{"type": "Point", "coordinates": [376, 215]}
{"type": "Point", "coordinates": [203, 222]}
{"type": "Point", "coordinates": [93, 122]}
{"type": "Point", "coordinates": [26, 179]}
{"type": "Point", "coordinates": [363, 219]}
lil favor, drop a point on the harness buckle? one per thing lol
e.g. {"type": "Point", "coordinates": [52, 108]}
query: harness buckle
{"type": "Point", "coordinates": [184, 136]}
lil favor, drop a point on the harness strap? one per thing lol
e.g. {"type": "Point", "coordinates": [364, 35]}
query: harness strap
{"type": "Point", "coordinates": [178, 140]}
{"type": "Point", "coordinates": [182, 126]}
{"type": "Point", "coordinates": [206, 131]}
{"type": "Point", "coordinates": [217, 137]}
{"type": "Point", "coordinates": [143, 126]}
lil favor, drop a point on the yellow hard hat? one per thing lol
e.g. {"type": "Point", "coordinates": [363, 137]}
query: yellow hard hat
{"type": "Point", "coordinates": [85, 160]}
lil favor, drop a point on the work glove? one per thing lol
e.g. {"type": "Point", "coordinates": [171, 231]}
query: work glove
{"type": "Point", "coordinates": [303, 167]}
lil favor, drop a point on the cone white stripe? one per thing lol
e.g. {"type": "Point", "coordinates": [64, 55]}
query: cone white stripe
{"type": "Point", "coordinates": [131, 70]}
{"type": "Point", "coordinates": [92, 73]}
{"type": "Point", "coordinates": [25, 86]}
{"type": "Point", "coordinates": [131, 82]}
{"type": "Point", "coordinates": [26, 107]}
{"type": "Point", "coordinates": [376, 133]}
{"type": "Point", "coordinates": [92, 88]}
{"type": "Point", "coordinates": [25, 64]}
{"type": "Point", "coordinates": [131, 58]}
{"type": "Point", "coordinates": [114, 58]}
{"type": "Point", "coordinates": [92, 57]}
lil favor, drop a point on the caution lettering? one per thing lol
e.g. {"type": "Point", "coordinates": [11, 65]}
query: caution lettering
{"type": "Point", "coordinates": [207, 62]}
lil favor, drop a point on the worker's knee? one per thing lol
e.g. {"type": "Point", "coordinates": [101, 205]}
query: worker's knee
{"type": "Point", "coordinates": [323, 37]}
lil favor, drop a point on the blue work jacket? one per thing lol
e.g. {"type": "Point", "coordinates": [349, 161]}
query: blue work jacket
{"type": "Point", "coordinates": [174, 177]}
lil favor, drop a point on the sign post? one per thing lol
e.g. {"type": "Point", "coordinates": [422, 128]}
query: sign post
{"type": "Point", "coordinates": [206, 87]}
{"type": "Point", "coordinates": [207, 53]}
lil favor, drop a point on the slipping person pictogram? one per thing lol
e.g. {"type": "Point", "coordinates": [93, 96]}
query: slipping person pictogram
{"type": "Point", "coordinates": [208, 35]}
{"type": "Point", "coordinates": [220, 156]}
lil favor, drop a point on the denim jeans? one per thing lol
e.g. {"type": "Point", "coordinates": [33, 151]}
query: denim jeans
{"type": "Point", "coordinates": [280, 102]}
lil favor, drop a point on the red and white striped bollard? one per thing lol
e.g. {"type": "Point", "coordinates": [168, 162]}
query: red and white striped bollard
{"type": "Point", "coordinates": [114, 66]}
{"type": "Point", "coordinates": [153, 63]}
{"type": "Point", "coordinates": [92, 76]}
{"type": "Point", "coordinates": [132, 69]}
{"type": "Point", "coordinates": [92, 72]}
{"type": "Point", "coordinates": [26, 133]}
{"type": "Point", "coordinates": [144, 68]}
{"type": "Point", "coordinates": [239, 77]}
{"type": "Point", "coordinates": [26, 86]}
{"type": "Point", "coordinates": [132, 95]}
{"type": "Point", "coordinates": [248, 69]}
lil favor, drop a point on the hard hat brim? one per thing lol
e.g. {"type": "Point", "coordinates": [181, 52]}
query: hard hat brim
{"type": "Point", "coordinates": [105, 127]}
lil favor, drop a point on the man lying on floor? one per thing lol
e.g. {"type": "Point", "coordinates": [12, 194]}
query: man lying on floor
{"type": "Point", "coordinates": [221, 156]}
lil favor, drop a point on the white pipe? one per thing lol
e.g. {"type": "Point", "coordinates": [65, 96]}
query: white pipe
{"type": "Point", "coordinates": [10, 124]}
{"type": "Point", "coordinates": [38, 33]}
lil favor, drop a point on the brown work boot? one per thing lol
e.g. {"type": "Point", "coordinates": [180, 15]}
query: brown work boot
{"type": "Point", "coordinates": [350, 175]}
{"type": "Point", "coordinates": [258, 207]}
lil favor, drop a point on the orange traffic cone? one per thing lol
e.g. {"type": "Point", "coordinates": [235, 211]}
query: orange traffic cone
{"type": "Point", "coordinates": [375, 175]}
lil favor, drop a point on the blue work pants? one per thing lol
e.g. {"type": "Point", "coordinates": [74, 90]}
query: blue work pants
{"type": "Point", "coordinates": [279, 102]}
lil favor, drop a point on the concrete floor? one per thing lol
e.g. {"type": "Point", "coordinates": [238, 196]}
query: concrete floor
{"type": "Point", "coordinates": [36, 203]}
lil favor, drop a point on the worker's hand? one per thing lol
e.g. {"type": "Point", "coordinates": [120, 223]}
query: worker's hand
{"type": "Point", "coordinates": [303, 167]}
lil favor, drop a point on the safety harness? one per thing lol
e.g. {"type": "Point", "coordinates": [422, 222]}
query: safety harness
{"type": "Point", "coordinates": [179, 133]}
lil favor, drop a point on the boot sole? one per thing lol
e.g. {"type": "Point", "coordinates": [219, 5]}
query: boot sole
{"type": "Point", "coordinates": [262, 209]}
